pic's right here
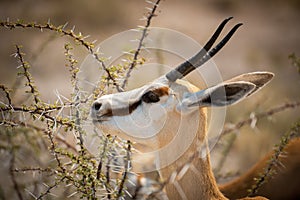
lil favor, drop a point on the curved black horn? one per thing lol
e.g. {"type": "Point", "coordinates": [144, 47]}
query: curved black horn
{"type": "Point", "coordinates": [204, 54]}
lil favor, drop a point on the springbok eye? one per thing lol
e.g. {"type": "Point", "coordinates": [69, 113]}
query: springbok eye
{"type": "Point", "coordinates": [150, 97]}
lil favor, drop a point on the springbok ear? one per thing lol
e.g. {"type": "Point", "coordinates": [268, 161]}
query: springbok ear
{"type": "Point", "coordinates": [221, 95]}
{"type": "Point", "coordinates": [259, 79]}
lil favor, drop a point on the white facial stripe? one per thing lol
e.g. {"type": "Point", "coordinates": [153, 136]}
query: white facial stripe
{"type": "Point", "coordinates": [145, 121]}
{"type": "Point", "coordinates": [122, 104]}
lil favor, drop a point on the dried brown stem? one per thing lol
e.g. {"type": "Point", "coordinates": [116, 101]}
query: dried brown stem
{"type": "Point", "coordinates": [151, 14]}
{"type": "Point", "coordinates": [127, 163]}
{"type": "Point", "coordinates": [61, 30]}
{"type": "Point", "coordinates": [27, 75]}
{"type": "Point", "coordinates": [11, 168]}
{"type": "Point", "coordinates": [272, 111]}
{"type": "Point", "coordinates": [40, 112]}
{"type": "Point", "coordinates": [101, 158]}
{"type": "Point", "coordinates": [270, 170]}
{"type": "Point", "coordinates": [50, 188]}
{"type": "Point", "coordinates": [6, 91]}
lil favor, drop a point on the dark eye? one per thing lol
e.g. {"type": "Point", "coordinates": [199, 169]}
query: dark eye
{"type": "Point", "coordinates": [150, 97]}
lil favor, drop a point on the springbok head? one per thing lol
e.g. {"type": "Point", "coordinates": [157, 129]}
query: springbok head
{"type": "Point", "coordinates": [151, 115]}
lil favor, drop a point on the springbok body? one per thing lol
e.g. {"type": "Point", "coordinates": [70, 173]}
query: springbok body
{"type": "Point", "coordinates": [165, 112]}
{"type": "Point", "coordinates": [283, 185]}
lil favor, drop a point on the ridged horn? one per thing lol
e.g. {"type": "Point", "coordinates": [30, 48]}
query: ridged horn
{"type": "Point", "coordinates": [204, 54]}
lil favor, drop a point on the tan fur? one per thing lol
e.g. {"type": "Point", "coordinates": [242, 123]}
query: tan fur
{"type": "Point", "coordinates": [198, 182]}
{"type": "Point", "coordinates": [283, 185]}
{"type": "Point", "coordinates": [195, 179]}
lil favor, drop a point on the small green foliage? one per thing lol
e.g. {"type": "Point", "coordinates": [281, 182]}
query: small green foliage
{"type": "Point", "coordinates": [79, 38]}
{"type": "Point", "coordinates": [72, 62]}
{"type": "Point", "coordinates": [30, 82]}
{"type": "Point", "coordinates": [88, 177]}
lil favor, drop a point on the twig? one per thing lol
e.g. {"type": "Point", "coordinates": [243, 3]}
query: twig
{"type": "Point", "coordinates": [61, 30]}
{"type": "Point", "coordinates": [30, 81]}
{"type": "Point", "coordinates": [101, 158]}
{"type": "Point", "coordinates": [32, 169]}
{"type": "Point", "coordinates": [62, 140]}
{"type": "Point", "coordinates": [248, 121]}
{"type": "Point", "coordinates": [76, 94]}
{"type": "Point", "coordinates": [225, 152]}
{"type": "Point", "coordinates": [50, 188]}
{"type": "Point", "coordinates": [72, 62]}
{"type": "Point", "coordinates": [53, 149]}
{"type": "Point", "coordinates": [40, 112]}
{"type": "Point", "coordinates": [110, 76]}
{"type": "Point", "coordinates": [6, 91]}
{"type": "Point", "coordinates": [107, 175]}
{"type": "Point", "coordinates": [269, 170]}
{"type": "Point", "coordinates": [258, 116]}
{"type": "Point", "coordinates": [127, 163]}
{"type": "Point", "coordinates": [11, 168]}
{"type": "Point", "coordinates": [151, 14]}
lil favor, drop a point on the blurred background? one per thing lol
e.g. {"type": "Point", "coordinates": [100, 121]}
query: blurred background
{"type": "Point", "coordinates": [270, 33]}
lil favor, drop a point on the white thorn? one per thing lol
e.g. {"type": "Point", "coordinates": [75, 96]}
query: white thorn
{"type": "Point", "coordinates": [65, 25]}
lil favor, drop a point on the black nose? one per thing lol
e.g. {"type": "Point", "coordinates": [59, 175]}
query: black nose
{"type": "Point", "coordinates": [97, 106]}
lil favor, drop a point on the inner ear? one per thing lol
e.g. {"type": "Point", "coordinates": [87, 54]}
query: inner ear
{"type": "Point", "coordinates": [259, 79]}
{"type": "Point", "coordinates": [220, 95]}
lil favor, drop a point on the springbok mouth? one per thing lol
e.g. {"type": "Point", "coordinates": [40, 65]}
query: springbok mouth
{"type": "Point", "coordinates": [102, 118]}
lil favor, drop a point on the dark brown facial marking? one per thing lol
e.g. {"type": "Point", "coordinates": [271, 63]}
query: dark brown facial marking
{"type": "Point", "coordinates": [151, 96]}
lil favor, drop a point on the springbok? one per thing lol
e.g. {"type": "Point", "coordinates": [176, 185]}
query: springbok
{"type": "Point", "coordinates": [169, 108]}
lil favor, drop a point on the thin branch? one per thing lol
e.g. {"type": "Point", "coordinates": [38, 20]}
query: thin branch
{"type": "Point", "coordinates": [6, 91]}
{"type": "Point", "coordinates": [61, 30]}
{"type": "Point", "coordinates": [40, 112]}
{"type": "Point", "coordinates": [107, 175]}
{"type": "Point", "coordinates": [127, 163]}
{"type": "Point", "coordinates": [101, 158]}
{"type": "Point", "coordinates": [11, 168]}
{"type": "Point", "coordinates": [72, 62]}
{"type": "Point", "coordinates": [56, 137]}
{"type": "Point", "coordinates": [151, 14]}
{"type": "Point", "coordinates": [248, 121]}
{"type": "Point", "coordinates": [272, 111]}
{"type": "Point", "coordinates": [50, 188]}
{"type": "Point", "coordinates": [269, 170]}
{"type": "Point", "coordinates": [68, 145]}
{"type": "Point", "coordinates": [53, 149]}
{"type": "Point", "coordinates": [27, 75]}
{"type": "Point", "coordinates": [110, 76]}
{"type": "Point", "coordinates": [225, 152]}
{"type": "Point", "coordinates": [32, 169]}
